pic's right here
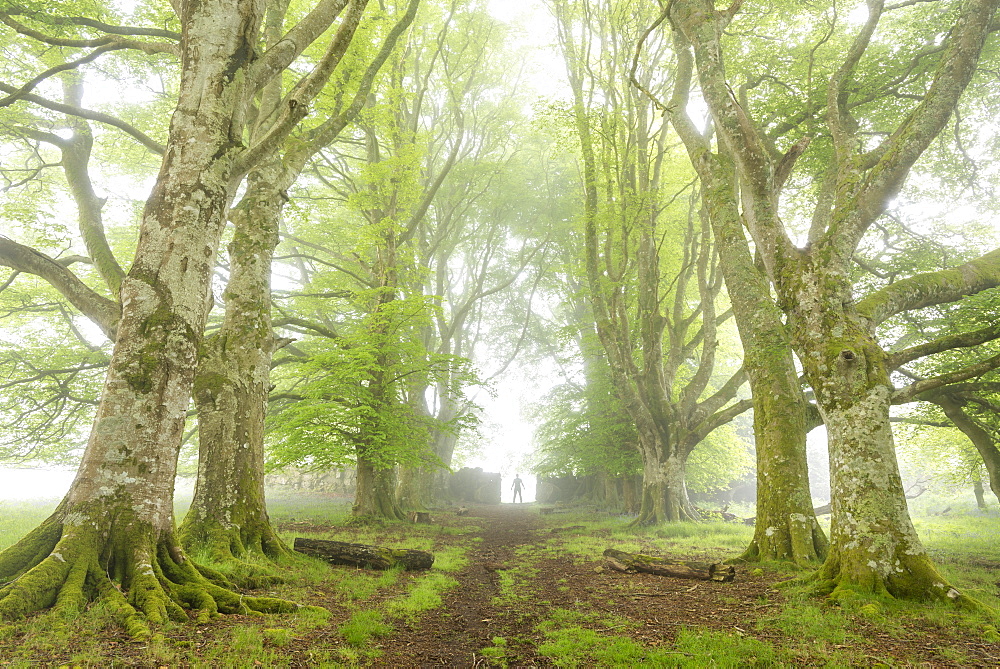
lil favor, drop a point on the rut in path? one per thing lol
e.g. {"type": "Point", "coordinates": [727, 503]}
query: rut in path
{"type": "Point", "coordinates": [469, 619]}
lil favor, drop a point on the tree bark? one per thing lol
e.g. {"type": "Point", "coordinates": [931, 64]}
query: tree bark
{"type": "Point", "coordinates": [786, 527]}
{"type": "Point", "coordinates": [113, 537]}
{"type": "Point", "coordinates": [874, 548]}
{"type": "Point", "coordinates": [228, 518]}
{"type": "Point", "coordinates": [375, 497]}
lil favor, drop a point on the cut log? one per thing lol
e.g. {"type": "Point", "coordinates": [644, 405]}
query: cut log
{"type": "Point", "coordinates": [362, 555]}
{"type": "Point", "coordinates": [420, 517]}
{"type": "Point", "coordinates": [704, 571]}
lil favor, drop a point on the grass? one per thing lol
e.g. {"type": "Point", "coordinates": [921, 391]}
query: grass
{"type": "Point", "coordinates": [365, 609]}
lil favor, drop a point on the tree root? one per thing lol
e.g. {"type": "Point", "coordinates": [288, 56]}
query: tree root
{"type": "Point", "coordinates": [918, 581]}
{"type": "Point", "coordinates": [142, 581]}
{"type": "Point", "coordinates": [799, 542]}
{"type": "Point", "coordinates": [245, 556]}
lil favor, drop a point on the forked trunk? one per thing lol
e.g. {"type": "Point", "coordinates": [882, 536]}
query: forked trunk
{"type": "Point", "coordinates": [112, 537]}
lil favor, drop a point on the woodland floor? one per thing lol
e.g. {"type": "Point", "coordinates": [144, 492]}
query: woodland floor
{"type": "Point", "coordinates": [515, 581]}
{"type": "Point", "coordinates": [662, 607]}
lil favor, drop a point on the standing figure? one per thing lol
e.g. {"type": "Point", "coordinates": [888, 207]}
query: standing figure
{"type": "Point", "coordinates": [517, 488]}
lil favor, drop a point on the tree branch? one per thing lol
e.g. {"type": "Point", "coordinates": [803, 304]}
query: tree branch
{"type": "Point", "coordinates": [931, 288]}
{"type": "Point", "coordinates": [102, 311]}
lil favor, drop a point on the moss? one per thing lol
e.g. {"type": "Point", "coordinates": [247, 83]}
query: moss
{"type": "Point", "coordinates": [153, 581]}
{"type": "Point", "coordinates": [210, 384]}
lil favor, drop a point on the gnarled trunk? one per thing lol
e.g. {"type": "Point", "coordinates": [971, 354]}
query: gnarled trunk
{"type": "Point", "coordinates": [664, 488]}
{"type": "Point", "coordinates": [376, 492]}
{"type": "Point", "coordinates": [874, 548]}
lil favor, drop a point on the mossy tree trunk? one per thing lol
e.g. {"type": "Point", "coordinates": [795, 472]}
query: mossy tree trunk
{"type": "Point", "coordinates": [115, 527]}
{"type": "Point", "coordinates": [376, 492]}
{"type": "Point", "coordinates": [113, 537]}
{"type": "Point", "coordinates": [873, 548]}
{"type": "Point", "coordinates": [228, 518]}
{"type": "Point", "coordinates": [786, 527]}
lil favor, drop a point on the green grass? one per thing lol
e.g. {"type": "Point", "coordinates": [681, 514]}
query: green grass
{"type": "Point", "coordinates": [17, 518]}
{"type": "Point", "coordinates": [705, 648]}
{"type": "Point", "coordinates": [363, 627]}
{"type": "Point", "coordinates": [365, 607]}
{"type": "Point", "coordinates": [424, 595]}
{"type": "Point", "coordinates": [581, 639]}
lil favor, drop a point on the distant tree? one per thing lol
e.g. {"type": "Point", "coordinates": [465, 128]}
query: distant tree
{"type": "Point", "coordinates": [651, 264]}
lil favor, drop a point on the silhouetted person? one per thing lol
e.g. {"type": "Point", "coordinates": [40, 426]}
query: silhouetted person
{"type": "Point", "coordinates": [517, 489]}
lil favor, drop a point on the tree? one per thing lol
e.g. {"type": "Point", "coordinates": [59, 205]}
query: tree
{"type": "Point", "coordinates": [228, 517]}
{"type": "Point", "coordinates": [873, 545]}
{"type": "Point", "coordinates": [628, 192]}
{"type": "Point", "coordinates": [115, 526]}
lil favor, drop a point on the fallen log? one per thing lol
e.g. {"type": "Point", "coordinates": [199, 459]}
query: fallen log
{"type": "Point", "coordinates": [633, 562]}
{"type": "Point", "coordinates": [362, 555]}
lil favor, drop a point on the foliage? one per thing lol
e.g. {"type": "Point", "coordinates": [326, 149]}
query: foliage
{"type": "Point", "coordinates": [582, 431]}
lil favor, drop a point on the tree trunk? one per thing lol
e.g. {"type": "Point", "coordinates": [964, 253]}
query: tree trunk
{"type": "Point", "coordinates": [228, 519]}
{"type": "Point", "coordinates": [375, 497]}
{"type": "Point", "coordinates": [874, 548]}
{"type": "Point", "coordinates": [664, 491]}
{"type": "Point", "coordinates": [112, 537]}
{"type": "Point", "coordinates": [786, 527]}
{"type": "Point", "coordinates": [415, 487]}
{"type": "Point", "coordinates": [977, 489]}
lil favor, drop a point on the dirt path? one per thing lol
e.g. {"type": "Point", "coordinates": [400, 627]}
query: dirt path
{"type": "Point", "coordinates": [474, 612]}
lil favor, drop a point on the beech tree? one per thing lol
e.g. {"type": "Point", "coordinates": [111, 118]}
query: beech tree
{"type": "Point", "coordinates": [873, 545]}
{"type": "Point", "coordinates": [228, 517]}
{"type": "Point", "coordinates": [629, 185]}
{"type": "Point", "coordinates": [113, 535]}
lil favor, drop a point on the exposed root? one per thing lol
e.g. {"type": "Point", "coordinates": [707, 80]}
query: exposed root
{"type": "Point", "coordinates": [918, 581]}
{"type": "Point", "coordinates": [142, 582]}
{"type": "Point", "coordinates": [246, 556]}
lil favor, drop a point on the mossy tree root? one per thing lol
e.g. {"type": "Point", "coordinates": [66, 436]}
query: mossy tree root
{"type": "Point", "coordinates": [799, 541]}
{"type": "Point", "coordinates": [245, 555]}
{"type": "Point", "coordinates": [916, 580]}
{"type": "Point", "coordinates": [143, 581]}
{"type": "Point", "coordinates": [660, 505]}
